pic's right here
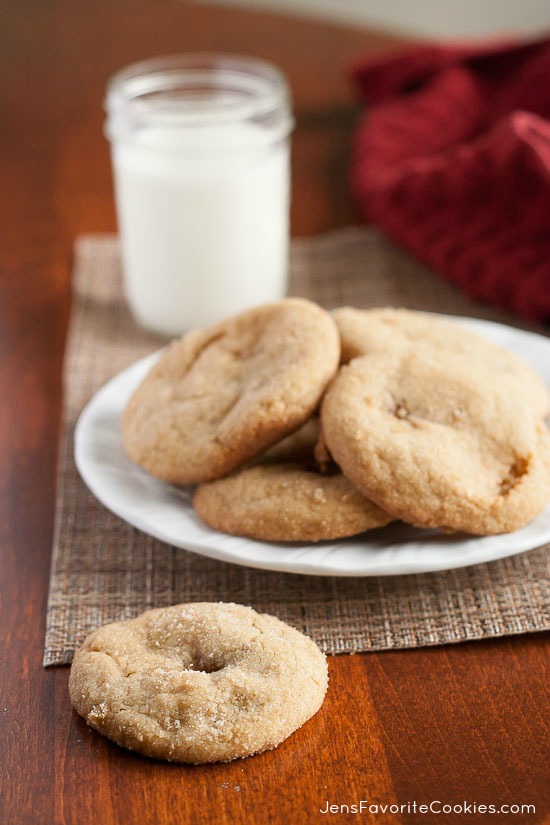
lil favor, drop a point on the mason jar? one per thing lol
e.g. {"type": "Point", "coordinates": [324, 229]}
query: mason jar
{"type": "Point", "coordinates": [200, 147]}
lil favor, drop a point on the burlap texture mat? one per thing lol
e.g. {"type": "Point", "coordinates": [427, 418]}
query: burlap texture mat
{"type": "Point", "coordinates": [103, 569]}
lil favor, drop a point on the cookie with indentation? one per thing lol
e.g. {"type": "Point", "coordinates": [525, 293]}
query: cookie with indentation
{"type": "Point", "coordinates": [286, 502]}
{"type": "Point", "coordinates": [220, 396]}
{"type": "Point", "coordinates": [200, 682]}
{"type": "Point", "coordinates": [421, 432]}
{"type": "Point", "coordinates": [368, 331]}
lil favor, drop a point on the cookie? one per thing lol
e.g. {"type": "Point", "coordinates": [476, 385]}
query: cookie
{"type": "Point", "coordinates": [220, 396]}
{"type": "Point", "coordinates": [368, 331]}
{"type": "Point", "coordinates": [285, 502]}
{"type": "Point", "coordinates": [434, 439]}
{"type": "Point", "coordinates": [201, 682]}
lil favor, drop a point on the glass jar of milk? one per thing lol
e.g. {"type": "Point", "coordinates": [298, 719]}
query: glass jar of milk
{"type": "Point", "coordinates": [200, 149]}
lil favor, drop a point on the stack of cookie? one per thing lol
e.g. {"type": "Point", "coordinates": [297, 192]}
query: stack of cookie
{"type": "Point", "coordinates": [299, 425]}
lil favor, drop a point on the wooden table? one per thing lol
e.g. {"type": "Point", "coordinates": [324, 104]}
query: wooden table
{"type": "Point", "coordinates": [449, 724]}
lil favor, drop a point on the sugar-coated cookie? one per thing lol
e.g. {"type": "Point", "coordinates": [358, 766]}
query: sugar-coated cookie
{"type": "Point", "coordinates": [286, 502]}
{"type": "Point", "coordinates": [200, 682]}
{"type": "Point", "coordinates": [423, 433]}
{"type": "Point", "coordinates": [220, 396]}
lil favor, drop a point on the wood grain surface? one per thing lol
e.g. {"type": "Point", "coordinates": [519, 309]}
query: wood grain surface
{"type": "Point", "coordinates": [465, 724]}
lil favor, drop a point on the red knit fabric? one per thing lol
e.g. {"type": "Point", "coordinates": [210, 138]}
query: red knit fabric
{"type": "Point", "coordinates": [452, 159]}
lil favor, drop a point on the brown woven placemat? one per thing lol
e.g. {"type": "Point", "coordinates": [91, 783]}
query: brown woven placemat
{"type": "Point", "coordinates": [103, 569]}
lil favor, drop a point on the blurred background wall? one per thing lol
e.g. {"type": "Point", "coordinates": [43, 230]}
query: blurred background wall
{"type": "Point", "coordinates": [425, 18]}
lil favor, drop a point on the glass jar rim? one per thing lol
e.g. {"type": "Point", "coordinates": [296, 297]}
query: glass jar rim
{"type": "Point", "coordinates": [181, 89]}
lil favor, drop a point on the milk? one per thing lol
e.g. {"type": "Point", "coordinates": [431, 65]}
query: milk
{"type": "Point", "coordinates": [203, 219]}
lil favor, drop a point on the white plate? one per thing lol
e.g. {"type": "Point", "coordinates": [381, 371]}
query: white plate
{"type": "Point", "coordinates": [165, 511]}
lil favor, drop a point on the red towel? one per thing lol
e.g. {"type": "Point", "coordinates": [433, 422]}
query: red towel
{"type": "Point", "coordinates": [452, 159]}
